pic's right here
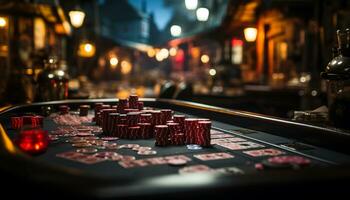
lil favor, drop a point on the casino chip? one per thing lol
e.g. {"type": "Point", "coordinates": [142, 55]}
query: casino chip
{"type": "Point", "coordinates": [81, 144]}
{"type": "Point", "coordinates": [128, 158]}
{"type": "Point", "coordinates": [128, 146]}
{"type": "Point", "coordinates": [177, 162]}
{"type": "Point", "coordinates": [109, 138]}
{"type": "Point", "coordinates": [87, 150]}
{"type": "Point", "coordinates": [146, 152]}
{"type": "Point", "coordinates": [193, 147]}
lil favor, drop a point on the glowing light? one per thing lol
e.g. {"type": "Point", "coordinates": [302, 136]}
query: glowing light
{"type": "Point", "coordinates": [172, 51]}
{"type": "Point", "coordinates": [60, 73]}
{"type": "Point", "coordinates": [212, 72]}
{"type": "Point", "coordinates": [250, 34]}
{"type": "Point", "coordinates": [314, 93]}
{"type": "Point", "coordinates": [114, 62]}
{"type": "Point", "coordinates": [3, 22]}
{"type": "Point", "coordinates": [50, 75]}
{"type": "Point", "coordinates": [125, 67]}
{"type": "Point", "coordinates": [162, 54]}
{"type": "Point", "coordinates": [151, 53]}
{"type": "Point", "coordinates": [159, 57]}
{"type": "Point", "coordinates": [175, 30]}
{"type": "Point", "coordinates": [191, 4]}
{"type": "Point", "coordinates": [202, 14]}
{"type": "Point", "coordinates": [86, 50]}
{"type": "Point", "coordinates": [205, 58]}
{"type": "Point", "coordinates": [237, 51]}
{"type": "Point", "coordinates": [77, 18]}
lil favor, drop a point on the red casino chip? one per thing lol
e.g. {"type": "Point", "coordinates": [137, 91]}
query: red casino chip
{"type": "Point", "coordinates": [146, 118]}
{"type": "Point", "coordinates": [37, 121]}
{"type": "Point", "coordinates": [133, 132]}
{"type": "Point", "coordinates": [132, 118]}
{"type": "Point", "coordinates": [190, 127]}
{"type": "Point", "coordinates": [104, 116]}
{"type": "Point", "coordinates": [122, 105]}
{"type": "Point", "coordinates": [84, 110]}
{"type": "Point", "coordinates": [181, 120]}
{"type": "Point", "coordinates": [16, 122]}
{"type": "Point", "coordinates": [156, 117]}
{"type": "Point", "coordinates": [203, 133]}
{"type": "Point", "coordinates": [121, 131]}
{"type": "Point", "coordinates": [112, 122]}
{"type": "Point", "coordinates": [161, 135]}
{"type": "Point", "coordinates": [145, 130]}
{"type": "Point", "coordinates": [140, 105]}
{"type": "Point", "coordinates": [64, 109]}
{"type": "Point", "coordinates": [166, 115]}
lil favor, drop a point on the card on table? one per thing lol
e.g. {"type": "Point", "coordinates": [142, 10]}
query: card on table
{"type": "Point", "coordinates": [213, 156]}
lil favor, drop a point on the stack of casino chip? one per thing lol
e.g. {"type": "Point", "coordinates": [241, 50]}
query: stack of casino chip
{"type": "Point", "coordinates": [127, 110]}
{"type": "Point", "coordinates": [190, 128]}
{"type": "Point", "coordinates": [146, 118]}
{"type": "Point", "coordinates": [145, 130]}
{"type": "Point", "coordinates": [16, 122]}
{"type": "Point", "coordinates": [132, 118]}
{"type": "Point", "coordinates": [133, 132]}
{"type": "Point", "coordinates": [166, 115]}
{"type": "Point", "coordinates": [174, 133]}
{"type": "Point", "coordinates": [121, 131]}
{"type": "Point", "coordinates": [203, 133]}
{"type": "Point", "coordinates": [180, 119]}
{"type": "Point", "coordinates": [37, 121]}
{"type": "Point", "coordinates": [140, 105]}
{"type": "Point", "coordinates": [64, 109]}
{"type": "Point", "coordinates": [84, 110]}
{"type": "Point", "coordinates": [133, 102]}
{"type": "Point", "coordinates": [112, 122]}
{"type": "Point", "coordinates": [104, 116]}
{"type": "Point", "coordinates": [122, 105]}
{"type": "Point", "coordinates": [98, 107]}
{"type": "Point", "coordinates": [161, 134]}
{"type": "Point", "coordinates": [157, 117]}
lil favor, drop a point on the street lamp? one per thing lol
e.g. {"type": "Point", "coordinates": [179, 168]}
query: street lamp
{"type": "Point", "coordinates": [86, 49]}
{"type": "Point", "coordinates": [191, 4]}
{"type": "Point", "coordinates": [175, 30]}
{"type": "Point", "coordinates": [76, 18]}
{"type": "Point", "coordinates": [202, 14]}
{"type": "Point", "coordinates": [250, 34]}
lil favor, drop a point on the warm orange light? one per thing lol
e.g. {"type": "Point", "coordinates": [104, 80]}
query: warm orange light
{"type": "Point", "coordinates": [126, 67]}
{"type": "Point", "coordinates": [86, 50]}
{"type": "Point", "coordinates": [172, 51]}
{"type": "Point", "coordinates": [114, 62]}
{"type": "Point", "coordinates": [151, 53]}
{"type": "Point", "coordinates": [3, 22]}
{"type": "Point", "coordinates": [77, 18]}
{"type": "Point", "coordinates": [205, 58]}
{"type": "Point", "coordinates": [250, 34]}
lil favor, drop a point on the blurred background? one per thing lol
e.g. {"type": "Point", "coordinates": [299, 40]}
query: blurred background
{"type": "Point", "coordinates": [263, 56]}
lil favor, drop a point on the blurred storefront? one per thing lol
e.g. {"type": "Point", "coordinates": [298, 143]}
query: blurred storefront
{"type": "Point", "coordinates": [29, 32]}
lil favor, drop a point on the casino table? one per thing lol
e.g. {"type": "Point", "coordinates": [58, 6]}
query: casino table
{"type": "Point", "coordinates": [250, 156]}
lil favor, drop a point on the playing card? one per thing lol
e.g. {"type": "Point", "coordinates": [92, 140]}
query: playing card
{"type": "Point", "coordinates": [264, 152]}
{"type": "Point", "coordinates": [227, 140]}
{"type": "Point", "coordinates": [221, 135]}
{"type": "Point", "coordinates": [89, 159]}
{"type": "Point", "coordinates": [213, 156]}
{"type": "Point", "coordinates": [213, 132]}
{"type": "Point", "coordinates": [240, 145]}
